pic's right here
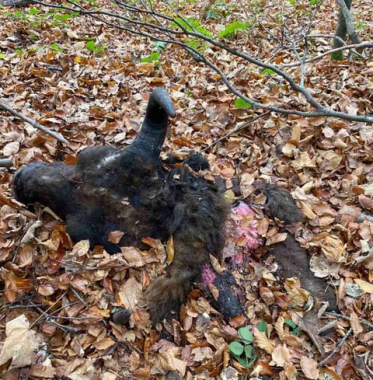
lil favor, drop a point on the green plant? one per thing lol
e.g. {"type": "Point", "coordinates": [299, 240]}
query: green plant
{"type": "Point", "coordinates": [361, 25]}
{"type": "Point", "coordinates": [95, 48]}
{"type": "Point", "coordinates": [35, 16]}
{"type": "Point", "coordinates": [262, 327]}
{"type": "Point", "coordinates": [159, 45]}
{"type": "Point", "coordinates": [219, 9]}
{"type": "Point", "coordinates": [267, 71]}
{"type": "Point", "coordinates": [243, 350]}
{"type": "Point", "coordinates": [293, 328]}
{"type": "Point", "coordinates": [56, 48]}
{"type": "Point", "coordinates": [240, 103]}
{"type": "Point", "coordinates": [193, 25]}
{"type": "Point", "coordinates": [231, 29]}
{"type": "Point", "coordinates": [151, 58]}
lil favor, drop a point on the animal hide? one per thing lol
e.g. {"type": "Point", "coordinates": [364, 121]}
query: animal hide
{"type": "Point", "coordinates": [128, 190]}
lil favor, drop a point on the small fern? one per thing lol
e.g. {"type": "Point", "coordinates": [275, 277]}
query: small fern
{"type": "Point", "coordinates": [231, 29]}
{"type": "Point", "coordinates": [193, 25]}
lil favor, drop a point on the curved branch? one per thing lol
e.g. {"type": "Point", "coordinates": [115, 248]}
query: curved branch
{"type": "Point", "coordinates": [170, 38]}
{"type": "Point", "coordinates": [34, 123]}
{"type": "Point", "coordinates": [362, 45]}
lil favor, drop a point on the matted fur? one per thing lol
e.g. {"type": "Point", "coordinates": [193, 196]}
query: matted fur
{"type": "Point", "coordinates": [128, 190]}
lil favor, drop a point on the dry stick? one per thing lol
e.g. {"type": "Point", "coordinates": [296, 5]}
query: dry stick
{"type": "Point", "coordinates": [34, 123]}
{"type": "Point", "coordinates": [54, 323]}
{"type": "Point", "coordinates": [346, 47]}
{"type": "Point", "coordinates": [236, 130]}
{"type": "Point", "coordinates": [6, 162]}
{"type": "Point", "coordinates": [320, 109]}
{"type": "Point", "coordinates": [46, 311]}
{"type": "Point", "coordinates": [336, 348]}
{"type": "Point", "coordinates": [337, 315]}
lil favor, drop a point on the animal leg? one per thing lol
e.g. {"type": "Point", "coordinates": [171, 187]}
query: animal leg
{"type": "Point", "coordinates": [166, 294]}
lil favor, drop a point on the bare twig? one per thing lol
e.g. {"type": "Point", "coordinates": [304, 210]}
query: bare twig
{"type": "Point", "coordinates": [34, 123]}
{"type": "Point", "coordinates": [46, 311]}
{"type": "Point", "coordinates": [157, 31]}
{"type": "Point", "coordinates": [78, 296]}
{"type": "Point", "coordinates": [6, 162]}
{"type": "Point", "coordinates": [235, 130]}
{"type": "Point", "coordinates": [336, 348]}
{"type": "Point", "coordinates": [51, 321]}
{"type": "Point", "coordinates": [362, 45]}
{"type": "Point", "coordinates": [337, 315]}
{"type": "Point", "coordinates": [15, 307]}
{"type": "Point", "coordinates": [327, 36]}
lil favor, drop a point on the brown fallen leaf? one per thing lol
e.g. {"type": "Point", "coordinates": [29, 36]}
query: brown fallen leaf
{"type": "Point", "coordinates": [281, 356]}
{"type": "Point", "coordinates": [129, 293]}
{"type": "Point", "coordinates": [333, 249]}
{"type": "Point", "coordinates": [20, 344]}
{"type": "Point", "coordinates": [81, 248]}
{"type": "Point", "coordinates": [133, 256]}
{"type": "Point", "coordinates": [309, 368]}
{"type": "Point", "coordinates": [168, 361]}
{"type": "Point", "coordinates": [115, 236]}
{"type": "Point", "coordinates": [170, 250]}
{"type": "Point", "coordinates": [104, 343]}
{"type": "Point", "coordinates": [263, 342]}
{"type": "Point", "coordinates": [355, 324]}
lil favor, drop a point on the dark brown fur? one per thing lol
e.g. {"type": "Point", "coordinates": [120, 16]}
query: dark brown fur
{"type": "Point", "coordinates": [128, 190]}
{"type": "Point", "coordinates": [293, 260]}
{"type": "Point", "coordinates": [280, 204]}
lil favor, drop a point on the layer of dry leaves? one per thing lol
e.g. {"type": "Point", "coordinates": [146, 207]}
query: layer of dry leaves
{"type": "Point", "coordinates": [56, 298]}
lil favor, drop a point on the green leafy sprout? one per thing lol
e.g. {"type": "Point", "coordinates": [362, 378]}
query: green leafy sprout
{"type": "Point", "coordinates": [94, 47]}
{"type": "Point", "coordinates": [231, 29]}
{"type": "Point", "coordinates": [243, 350]}
{"type": "Point", "coordinates": [240, 103]}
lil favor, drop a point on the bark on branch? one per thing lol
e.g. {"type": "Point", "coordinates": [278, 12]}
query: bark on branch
{"type": "Point", "coordinates": [148, 22]}
{"type": "Point", "coordinates": [345, 26]}
{"type": "Point", "coordinates": [34, 123]}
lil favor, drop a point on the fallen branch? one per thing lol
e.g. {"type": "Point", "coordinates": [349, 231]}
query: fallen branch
{"type": "Point", "coordinates": [362, 45]}
{"type": "Point", "coordinates": [337, 315]}
{"type": "Point", "coordinates": [34, 123]}
{"type": "Point", "coordinates": [160, 30]}
{"type": "Point", "coordinates": [336, 348]}
{"type": "Point", "coordinates": [235, 130]}
{"type": "Point", "coordinates": [52, 322]}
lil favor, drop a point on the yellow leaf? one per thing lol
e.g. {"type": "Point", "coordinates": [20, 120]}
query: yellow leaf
{"type": "Point", "coordinates": [307, 211]}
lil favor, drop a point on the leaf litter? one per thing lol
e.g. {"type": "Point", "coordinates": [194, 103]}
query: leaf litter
{"type": "Point", "coordinates": [57, 297]}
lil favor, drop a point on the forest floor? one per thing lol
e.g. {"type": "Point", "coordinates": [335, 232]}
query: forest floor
{"type": "Point", "coordinates": [91, 82]}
